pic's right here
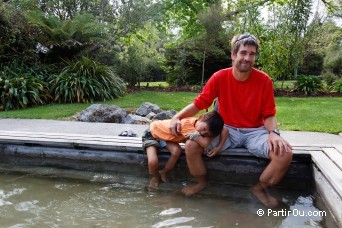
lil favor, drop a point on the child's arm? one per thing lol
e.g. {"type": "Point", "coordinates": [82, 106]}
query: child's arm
{"type": "Point", "coordinates": [202, 141]}
{"type": "Point", "coordinates": [223, 138]}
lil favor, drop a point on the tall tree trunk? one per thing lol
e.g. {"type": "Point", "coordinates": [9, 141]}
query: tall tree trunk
{"type": "Point", "coordinates": [203, 66]}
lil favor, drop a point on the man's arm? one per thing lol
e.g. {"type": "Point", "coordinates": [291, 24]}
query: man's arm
{"type": "Point", "coordinates": [188, 111]}
{"type": "Point", "coordinates": [276, 143]}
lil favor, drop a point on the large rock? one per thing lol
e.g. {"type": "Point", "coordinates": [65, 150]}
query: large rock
{"type": "Point", "coordinates": [147, 107]}
{"type": "Point", "coordinates": [135, 119]}
{"type": "Point", "coordinates": [103, 113]}
{"type": "Point", "coordinates": [164, 115]}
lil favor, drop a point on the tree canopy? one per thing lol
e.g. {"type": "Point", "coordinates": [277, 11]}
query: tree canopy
{"type": "Point", "coordinates": [182, 41]}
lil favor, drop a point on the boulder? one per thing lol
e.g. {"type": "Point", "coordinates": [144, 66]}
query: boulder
{"type": "Point", "coordinates": [102, 113]}
{"type": "Point", "coordinates": [164, 115]}
{"type": "Point", "coordinates": [135, 119]}
{"type": "Point", "coordinates": [147, 107]}
{"type": "Point", "coordinates": [150, 115]}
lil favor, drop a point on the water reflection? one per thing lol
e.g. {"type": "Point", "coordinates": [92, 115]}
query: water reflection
{"type": "Point", "coordinates": [47, 197]}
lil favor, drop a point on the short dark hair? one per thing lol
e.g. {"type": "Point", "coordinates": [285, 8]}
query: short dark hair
{"type": "Point", "coordinates": [214, 121]}
{"type": "Point", "coordinates": [244, 39]}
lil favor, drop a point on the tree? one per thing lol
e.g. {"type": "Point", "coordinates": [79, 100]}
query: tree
{"type": "Point", "coordinates": [281, 36]}
{"type": "Point", "coordinates": [323, 44]}
{"type": "Point", "coordinates": [66, 39]}
{"type": "Point", "coordinates": [212, 20]}
{"type": "Point", "coordinates": [142, 56]}
{"type": "Point", "coordinates": [17, 37]}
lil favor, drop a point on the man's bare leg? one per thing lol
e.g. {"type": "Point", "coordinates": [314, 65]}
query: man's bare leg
{"type": "Point", "coordinates": [259, 190]}
{"type": "Point", "coordinates": [271, 176]}
{"type": "Point", "coordinates": [196, 167]}
{"type": "Point", "coordinates": [276, 170]}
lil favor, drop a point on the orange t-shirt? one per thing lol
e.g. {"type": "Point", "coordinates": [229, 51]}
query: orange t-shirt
{"type": "Point", "coordinates": [160, 129]}
{"type": "Point", "coordinates": [242, 104]}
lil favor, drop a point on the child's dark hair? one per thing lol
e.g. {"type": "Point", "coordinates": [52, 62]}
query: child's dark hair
{"type": "Point", "coordinates": [214, 121]}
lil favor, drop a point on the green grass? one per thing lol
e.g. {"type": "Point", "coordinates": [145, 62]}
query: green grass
{"type": "Point", "coordinates": [321, 114]}
{"type": "Point", "coordinates": [155, 84]}
{"type": "Point", "coordinates": [286, 84]}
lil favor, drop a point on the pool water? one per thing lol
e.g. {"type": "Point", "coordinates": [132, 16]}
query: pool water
{"type": "Point", "coordinates": [51, 197]}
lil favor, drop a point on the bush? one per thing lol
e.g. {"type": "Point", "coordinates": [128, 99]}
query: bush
{"type": "Point", "coordinates": [309, 85]}
{"type": "Point", "coordinates": [86, 80]}
{"type": "Point", "coordinates": [21, 86]}
{"type": "Point", "coordinates": [333, 60]}
{"type": "Point", "coordinates": [329, 77]}
{"type": "Point", "coordinates": [337, 86]}
{"type": "Point", "coordinates": [17, 36]}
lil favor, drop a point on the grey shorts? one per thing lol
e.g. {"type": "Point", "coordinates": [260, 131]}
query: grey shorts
{"type": "Point", "coordinates": [253, 139]}
{"type": "Point", "coordinates": [148, 140]}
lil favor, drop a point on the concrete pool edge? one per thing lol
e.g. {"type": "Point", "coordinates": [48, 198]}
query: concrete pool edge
{"type": "Point", "coordinates": [327, 159]}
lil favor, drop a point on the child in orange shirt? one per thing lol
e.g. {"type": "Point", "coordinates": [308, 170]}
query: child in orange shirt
{"type": "Point", "coordinates": [158, 135]}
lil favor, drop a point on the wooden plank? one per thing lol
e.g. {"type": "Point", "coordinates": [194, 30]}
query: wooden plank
{"type": "Point", "coordinates": [4, 135]}
{"type": "Point", "coordinates": [74, 143]}
{"type": "Point", "coordinates": [338, 148]}
{"type": "Point", "coordinates": [64, 139]}
{"type": "Point", "coordinates": [334, 155]}
{"type": "Point", "coordinates": [68, 136]}
{"type": "Point", "coordinates": [329, 169]}
{"type": "Point", "coordinates": [331, 198]}
{"type": "Point", "coordinates": [104, 142]}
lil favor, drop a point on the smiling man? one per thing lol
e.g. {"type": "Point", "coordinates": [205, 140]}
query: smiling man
{"type": "Point", "coordinates": [246, 103]}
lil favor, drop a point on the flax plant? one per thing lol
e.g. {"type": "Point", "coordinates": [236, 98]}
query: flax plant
{"type": "Point", "coordinates": [84, 81]}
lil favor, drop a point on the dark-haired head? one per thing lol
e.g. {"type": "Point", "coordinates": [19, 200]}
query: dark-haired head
{"type": "Point", "coordinates": [214, 121]}
{"type": "Point", "coordinates": [244, 39]}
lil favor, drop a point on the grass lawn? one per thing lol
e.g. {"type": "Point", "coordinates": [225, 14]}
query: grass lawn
{"type": "Point", "coordinates": [322, 114]}
{"type": "Point", "coordinates": [284, 85]}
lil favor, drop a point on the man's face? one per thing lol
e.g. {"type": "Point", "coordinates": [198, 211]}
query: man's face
{"type": "Point", "coordinates": [244, 60]}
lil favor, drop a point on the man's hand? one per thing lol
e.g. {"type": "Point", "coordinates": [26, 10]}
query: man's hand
{"type": "Point", "coordinates": [278, 145]}
{"type": "Point", "coordinates": [175, 126]}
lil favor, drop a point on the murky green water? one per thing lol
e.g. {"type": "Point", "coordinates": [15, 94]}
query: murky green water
{"type": "Point", "coordinates": [49, 197]}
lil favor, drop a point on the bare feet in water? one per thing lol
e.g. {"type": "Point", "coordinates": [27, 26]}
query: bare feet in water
{"type": "Point", "coordinates": [192, 189]}
{"type": "Point", "coordinates": [154, 182]}
{"type": "Point", "coordinates": [259, 191]}
{"type": "Point", "coordinates": [163, 176]}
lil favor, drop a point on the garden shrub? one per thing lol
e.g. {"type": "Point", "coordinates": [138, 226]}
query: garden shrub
{"type": "Point", "coordinates": [17, 36]}
{"type": "Point", "coordinates": [337, 86]}
{"type": "Point", "coordinates": [86, 80]}
{"type": "Point", "coordinates": [308, 84]}
{"type": "Point", "coordinates": [21, 86]}
{"type": "Point", "coordinates": [329, 77]}
{"type": "Point", "coordinates": [333, 60]}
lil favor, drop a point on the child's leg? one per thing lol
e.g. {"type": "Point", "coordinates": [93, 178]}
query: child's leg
{"type": "Point", "coordinates": [175, 153]}
{"type": "Point", "coordinates": [152, 158]}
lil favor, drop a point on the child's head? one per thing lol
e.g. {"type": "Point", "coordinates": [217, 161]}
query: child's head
{"type": "Point", "coordinates": [210, 124]}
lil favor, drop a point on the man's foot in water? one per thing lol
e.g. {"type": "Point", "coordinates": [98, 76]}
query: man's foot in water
{"type": "Point", "coordinates": [258, 190]}
{"type": "Point", "coordinates": [192, 189]}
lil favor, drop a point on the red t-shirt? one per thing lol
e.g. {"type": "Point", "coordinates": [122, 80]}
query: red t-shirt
{"type": "Point", "coordinates": [242, 104]}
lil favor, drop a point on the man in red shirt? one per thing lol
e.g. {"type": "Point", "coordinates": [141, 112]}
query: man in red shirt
{"type": "Point", "coordinates": [246, 103]}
